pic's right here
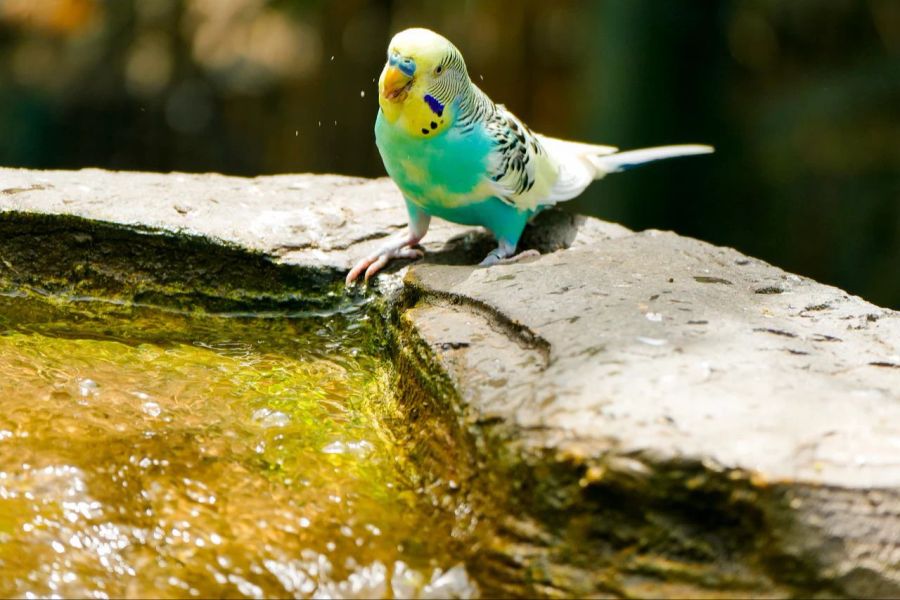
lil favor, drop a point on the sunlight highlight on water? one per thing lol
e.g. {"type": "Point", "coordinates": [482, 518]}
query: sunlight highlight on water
{"type": "Point", "coordinates": [170, 456]}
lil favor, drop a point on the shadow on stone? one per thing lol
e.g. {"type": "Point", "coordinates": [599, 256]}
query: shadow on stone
{"type": "Point", "coordinates": [549, 231]}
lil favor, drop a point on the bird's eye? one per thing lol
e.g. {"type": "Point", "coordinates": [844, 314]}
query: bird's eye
{"type": "Point", "coordinates": [438, 70]}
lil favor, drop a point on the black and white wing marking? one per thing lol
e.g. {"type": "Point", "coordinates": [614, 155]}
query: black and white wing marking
{"type": "Point", "coordinates": [519, 169]}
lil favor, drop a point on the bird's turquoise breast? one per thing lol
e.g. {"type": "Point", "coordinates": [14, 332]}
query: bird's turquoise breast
{"type": "Point", "coordinates": [445, 176]}
{"type": "Point", "coordinates": [444, 171]}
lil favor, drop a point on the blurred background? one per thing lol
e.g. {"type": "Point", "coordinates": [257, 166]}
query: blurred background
{"type": "Point", "coordinates": [800, 98]}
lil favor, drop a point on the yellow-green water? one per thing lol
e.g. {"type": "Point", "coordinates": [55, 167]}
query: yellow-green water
{"type": "Point", "coordinates": [145, 453]}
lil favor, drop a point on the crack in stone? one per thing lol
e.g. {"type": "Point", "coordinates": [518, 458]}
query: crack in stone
{"type": "Point", "coordinates": [515, 331]}
{"type": "Point", "coordinates": [283, 249]}
{"type": "Point", "coordinates": [18, 190]}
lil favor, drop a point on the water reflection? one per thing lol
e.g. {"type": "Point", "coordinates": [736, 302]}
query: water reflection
{"type": "Point", "coordinates": [178, 463]}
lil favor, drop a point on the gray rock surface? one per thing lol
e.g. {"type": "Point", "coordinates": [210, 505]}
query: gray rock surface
{"type": "Point", "coordinates": [316, 220]}
{"type": "Point", "coordinates": [660, 367]}
{"type": "Point", "coordinates": [668, 345]}
{"type": "Point", "coordinates": [740, 424]}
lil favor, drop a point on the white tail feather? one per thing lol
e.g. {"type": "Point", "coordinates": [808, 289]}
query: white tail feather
{"type": "Point", "coordinates": [580, 164]}
{"type": "Point", "coordinates": [613, 163]}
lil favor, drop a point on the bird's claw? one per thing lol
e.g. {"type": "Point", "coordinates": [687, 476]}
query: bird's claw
{"type": "Point", "coordinates": [373, 263]}
{"type": "Point", "coordinates": [494, 259]}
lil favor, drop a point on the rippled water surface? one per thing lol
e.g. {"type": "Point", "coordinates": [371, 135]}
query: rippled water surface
{"type": "Point", "coordinates": [149, 453]}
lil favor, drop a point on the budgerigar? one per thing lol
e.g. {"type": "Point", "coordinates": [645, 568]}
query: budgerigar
{"type": "Point", "coordinates": [456, 155]}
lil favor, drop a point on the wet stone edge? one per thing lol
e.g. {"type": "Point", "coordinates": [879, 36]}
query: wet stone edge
{"type": "Point", "coordinates": [73, 257]}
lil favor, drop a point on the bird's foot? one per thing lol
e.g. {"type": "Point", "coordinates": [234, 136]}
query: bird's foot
{"type": "Point", "coordinates": [375, 262]}
{"type": "Point", "coordinates": [496, 258]}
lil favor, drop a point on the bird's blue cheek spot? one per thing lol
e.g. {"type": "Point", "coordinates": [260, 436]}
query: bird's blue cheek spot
{"type": "Point", "coordinates": [434, 104]}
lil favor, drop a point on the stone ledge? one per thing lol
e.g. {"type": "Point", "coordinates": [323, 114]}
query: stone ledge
{"type": "Point", "coordinates": [678, 348]}
{"type": "Point", "coordinates": [666, 416]}
{"type": "Point", "coordinates": [750, 412]}
{"type": "Point", "coordinates": [316, 221]}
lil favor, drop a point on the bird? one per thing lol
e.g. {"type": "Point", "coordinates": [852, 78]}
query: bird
{"type": "Point", "coordinates": [458, 156]}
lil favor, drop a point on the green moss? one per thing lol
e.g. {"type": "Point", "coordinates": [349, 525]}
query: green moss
{"type": "Point", "coordinates": [148, 451]}
{"type": "Point", "coordinates": [74, 257]}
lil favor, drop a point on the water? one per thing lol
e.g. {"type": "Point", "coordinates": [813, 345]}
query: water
{"type": "Point", "coordinates": [146, 453]}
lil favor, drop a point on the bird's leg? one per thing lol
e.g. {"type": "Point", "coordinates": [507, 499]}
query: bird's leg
{"type": "Point", "coordinates": [505, 253]}
{"type": "Point", "coordinates": [400, 246]}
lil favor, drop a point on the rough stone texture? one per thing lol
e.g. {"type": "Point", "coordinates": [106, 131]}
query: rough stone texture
{"type": "Point", "coordinates": [652, 353]}
{"type": "Point", "coordinates": [653, 414]}
{"type": "Point", "coordinates": [326, 221]}
{"type": "Point", "coordinates": [676, 347]}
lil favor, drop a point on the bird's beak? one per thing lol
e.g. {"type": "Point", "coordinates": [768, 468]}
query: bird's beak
{"type": "Point", "coordinates": [394, 83]}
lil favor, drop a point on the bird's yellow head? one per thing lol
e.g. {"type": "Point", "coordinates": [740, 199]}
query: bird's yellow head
{"type": "Point", "coordinates": [423, 75]}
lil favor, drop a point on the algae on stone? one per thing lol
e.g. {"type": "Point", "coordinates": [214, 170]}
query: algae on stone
{"type": "Point", "coordinates": [179, 456]}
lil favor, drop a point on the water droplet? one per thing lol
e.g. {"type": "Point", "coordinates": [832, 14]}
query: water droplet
{"type": "Point", "coordinates": [271, 418]}
{"type": "Point", "coordinates": [452, 584]}
{"type": "Point", "coordinates": [406, 582]}
{"type": "Point", "coordinates": [87, 387]}
{"type": "Point", "coordinates": [360, 448]}
{"type": "Point", "coordinates": [362, 93]}
{"type": "Point", "coordinates": [334, 448]}
{"type": "Point", "coordinates": [151, 408]}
